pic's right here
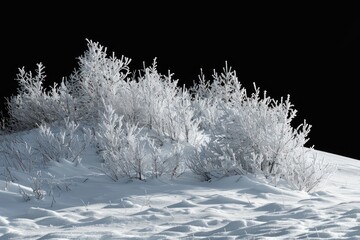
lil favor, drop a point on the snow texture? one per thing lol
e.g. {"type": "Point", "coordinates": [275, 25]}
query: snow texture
{"type": "Point", "coordinates": [92, 206]}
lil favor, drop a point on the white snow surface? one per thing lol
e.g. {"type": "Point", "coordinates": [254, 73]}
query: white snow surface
{"type": "Point", "coordinates": [87, 204]}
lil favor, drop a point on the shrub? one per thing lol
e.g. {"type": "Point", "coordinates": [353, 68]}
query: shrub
{"type": "Point", "coordinates": [156, 102]}
{"type": "Point", "coordinates": [128, 151]}
{"type": "Point", "coordinates": [34, 105]}
{"type": "Point", "coordinates": [119, 147]}
{"type": "Point", "coordinates": [66, 142]}
{"type": "Point", "coordinates": [307, 172]}
{"type": "Point", "coordinates": [229, 131]}
{"type": "Point", "coordinates": [17, 153]}
{"type": "Point", "coordinates": [97, 77]}
{"type": "Point", "coordinates": [250, 134]}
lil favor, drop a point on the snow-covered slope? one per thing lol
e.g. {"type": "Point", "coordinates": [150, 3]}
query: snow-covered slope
{"type": "Point", "coordinates": [83, 203]}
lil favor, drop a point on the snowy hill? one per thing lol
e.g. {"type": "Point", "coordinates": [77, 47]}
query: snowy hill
{"type": "Point", "coordinates": [81, 202]}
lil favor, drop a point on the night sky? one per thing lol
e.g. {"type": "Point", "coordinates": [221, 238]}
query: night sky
{"type": "Point", "coordinates": [313, 56]}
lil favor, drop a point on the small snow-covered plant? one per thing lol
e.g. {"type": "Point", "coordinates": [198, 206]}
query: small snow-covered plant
{"type": "Point", "coordinates": [110, 138]}
{"type": "Point", "coordinates": [166, 160]}
{"type": "Point", "coordinates": [306, 171]}
{"type": "Point", "coordinates": [18, 154]}
{"type": "Point", "coordinates": [43, 184]}
{"type": "Point", "coordinates": [201, 164]}
{"type": "Point", "coordinates": [37, 186]}
{"type": "Point", "coordinates": [184, 123]}
{"type": "Point", "coordinates": [25, 195]}
{"type": "Point", "coordinates": [134, 153]}
{"type": "Point", "coordinates": [157, 97]}
{"type": "Point", "coordinates": [158, 161]}
{"type": "Point", "coordinates": [66, 142]}
{"type": "Point", "coordinates": [176, 164]}
{"type": "Point", "coordinates": [120, 147]}
{"type": "Point", "coordinates": [29, 107]}
{"type": "Point", "coordinates": [209, 112]}
{"type": "Point", "coordinates": [214, 161]}
{"type": "Point", "coordinates": [65, 104]}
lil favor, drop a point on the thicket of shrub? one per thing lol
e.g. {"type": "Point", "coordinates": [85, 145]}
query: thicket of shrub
{"type": "Point", "coordinates": [144, 125]}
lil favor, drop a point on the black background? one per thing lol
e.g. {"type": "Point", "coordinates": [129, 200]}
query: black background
{"type": "Point", "coordinates": [313, 55]}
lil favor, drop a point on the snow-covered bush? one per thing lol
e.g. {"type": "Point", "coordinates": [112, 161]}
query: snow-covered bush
{"type": "Point", "coordinates": [215, 161]}
{"type": "Point", "coordinates": [156, 102]}
{"type": "Point", "coordinates": [214, 103]}
{"type": "Point", "coordinates": [64, 142]}
{"type": "Point", "coordinates": [27, 151]}
{"type": "Point", "coordinates": [262, 126]}
{"type": "Point", "coordinates": [248, 133]}
{"type": "Point", "coordinates": [17, 154]}
{"type": "Point", "coordinates": [41, 184]}
{"type": "Point", "coordinates": [120, 146]}
{"type": "Point", "coordinates": [97, 77]}
{"type": "Point", "coordinates": [166, 161]}
{"type": "Point", "coordinates": [150, 100]}
{"type": "Point", "coordinates": [20, 161]}
{"type": "Point", "coordinates": [34, 105]}
{"type": "Point", "coordinates": [158, 96]}
{"type": "Point", "coordinates": [128, 150]}
{"type": "Point", "coordinates": [37, 185]}
{"type": "Point", "coordinates": [307, 172]}
{"type": "Point", "coordinates": [229, 131]}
